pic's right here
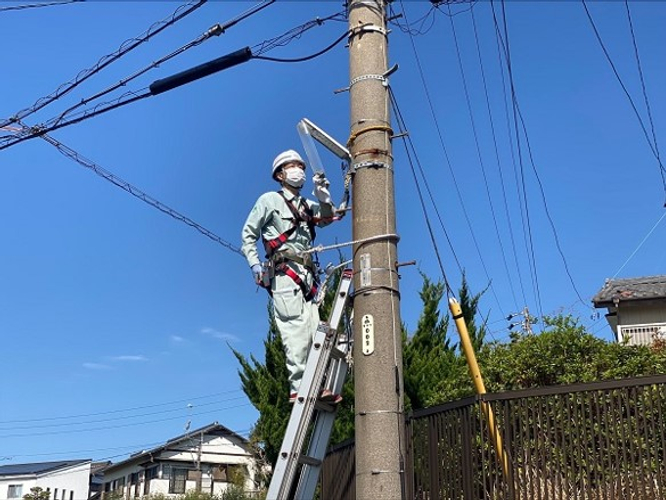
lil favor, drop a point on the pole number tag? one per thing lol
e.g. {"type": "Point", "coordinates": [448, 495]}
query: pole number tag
{"type": "Point", "coordinates": [368, 326]}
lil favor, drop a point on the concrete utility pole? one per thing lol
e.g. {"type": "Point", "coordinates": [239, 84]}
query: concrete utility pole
{"type": "Point", "coordinates": [378, 349]}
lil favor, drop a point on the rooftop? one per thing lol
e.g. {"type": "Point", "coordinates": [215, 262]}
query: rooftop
{"type": "Point", "coordinates": [631, 289]}
{"type": "Point", "coordinates": [38, 468]}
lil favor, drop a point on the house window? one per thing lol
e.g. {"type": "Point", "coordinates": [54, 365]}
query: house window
{"type": "Point", "coordinates": [55, 493]}
{"type": "Point", "coordinates": [177, 479]}
{"type": "Point", "coordinates": [71, 495]}
{"type": "Point", "coordinates": [64, 493]}
{"type": "Point", "coordinates": [15, 491]}
{"type": "Point", "coordinates": [48, 493]}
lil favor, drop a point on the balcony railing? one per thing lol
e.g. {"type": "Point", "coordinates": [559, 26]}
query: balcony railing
{"type": "Point", "coordinates": [644, 334]}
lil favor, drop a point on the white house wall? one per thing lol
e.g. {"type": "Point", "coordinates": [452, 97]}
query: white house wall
{"type": "Point", "coordinates": [75, 479]}
{"type": "Point", "coordinates": [215, 450]}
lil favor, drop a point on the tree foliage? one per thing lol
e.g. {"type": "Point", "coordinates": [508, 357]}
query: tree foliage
{"type": "Point", "coordinates": [434, 369]}
{"type": "Point", "coordinates": [565, 353]}
{"type": "Point", "coordinates": [37, 493]}
{"type": "Point", "coordinates": [266, 385]}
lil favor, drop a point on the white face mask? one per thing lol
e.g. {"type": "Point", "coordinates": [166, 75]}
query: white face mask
{"type": "Point", "coordinates": [294, 176]}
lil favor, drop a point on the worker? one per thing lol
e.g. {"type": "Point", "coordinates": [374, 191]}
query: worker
{"type": "Point", "coordinates": [285, 222]}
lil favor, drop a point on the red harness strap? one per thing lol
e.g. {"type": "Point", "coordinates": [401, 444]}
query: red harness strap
{"type": "Point", "coordinates": [308, 293]}
{"type": "Point", "coordinates": [301, 214]}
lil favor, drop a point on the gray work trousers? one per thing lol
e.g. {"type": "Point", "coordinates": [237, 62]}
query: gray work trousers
{"type": "Point", "coordinates": [297, 321]}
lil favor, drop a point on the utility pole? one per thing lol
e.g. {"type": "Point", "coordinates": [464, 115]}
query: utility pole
{"type": "Point", "coordinates": [377, 329]}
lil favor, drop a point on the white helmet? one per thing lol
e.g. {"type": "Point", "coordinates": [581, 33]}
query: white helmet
{"type": "Point", "coordinates": [285, 157]}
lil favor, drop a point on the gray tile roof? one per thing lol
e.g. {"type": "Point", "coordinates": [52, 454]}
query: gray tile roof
{"type": "Point", "coordinates": [629, 289]}
{"type": "Point", "coordinates": [37, 468]}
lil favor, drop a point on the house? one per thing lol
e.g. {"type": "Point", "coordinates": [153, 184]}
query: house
{"type": "Point", "coordinates": [636, 308]}
{"type": "Point", "coordinates": [206, 459]}
{"type": "Point", "coordinates": [64, 480]}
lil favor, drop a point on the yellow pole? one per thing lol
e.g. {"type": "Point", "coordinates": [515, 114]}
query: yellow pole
{"type": "Point", "coordinates": [468, 349]}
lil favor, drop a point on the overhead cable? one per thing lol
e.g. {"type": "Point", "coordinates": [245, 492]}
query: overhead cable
{"type": "Point", "coordinates": [478, 150]}
{"type": "Point", "coordinates": [403, 129]}
{"type": "Point", "coordinates": [519, 114]}
{"type": "Point", "coordinates": [643, 86]}
{"type": "Point", "coordinates": [450, 167]}
{"type": "Point", "coordinates": [215, 30]}
{"type": "Point", "coordinates": [639, 245]}
{"type": "Point", "coordinates": [119, 410]}
{"type": "Point", "coordinates": [305, 58]}
{"type": "Point", "coordinates": [37, 5]}
{"type": "Point", "coordinates": [119, 426]}
{"type": "Point", "coordinates": [172, 82]}
{"type": "Point", "coordinates": [136, 192]}
{"type": "Point", "coordinates": [294, 33]}
{"type": "Point", "coordinates": [510, 135]}
{"type": "Point", "coordinates": [127, 46]}
{"type": "Point", "coordinates": [653, 146]}
{"type": "Point", "coordinates": [114, 419]}
{"type": "Point", "coordinates": [520, 183]}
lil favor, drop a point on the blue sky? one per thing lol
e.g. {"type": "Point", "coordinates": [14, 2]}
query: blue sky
{"type": "Point", "coordinates": [115, 317]}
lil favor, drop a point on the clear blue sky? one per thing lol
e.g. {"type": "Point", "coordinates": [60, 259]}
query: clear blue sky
{"type": "Point", "coordinates": [114, 316]}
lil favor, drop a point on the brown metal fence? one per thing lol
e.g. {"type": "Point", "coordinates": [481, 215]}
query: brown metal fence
{"type": "Point", "coordinates": [597, 441]}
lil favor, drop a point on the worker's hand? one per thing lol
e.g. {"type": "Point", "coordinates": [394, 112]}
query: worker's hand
{"type": "Point", "coordinates": [256, 273]}
{"type": "Point", "coordinates": [321, 188]}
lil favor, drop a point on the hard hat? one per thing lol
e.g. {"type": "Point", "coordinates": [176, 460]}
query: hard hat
{"type": "Point", "coordinates": [286, 157]}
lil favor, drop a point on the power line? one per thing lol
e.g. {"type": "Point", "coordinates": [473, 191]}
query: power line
{"type": "Point", "coordinates": [403, 129]}
{"type": "Point", "coordinates": [498, 161]}
{"type": "Point", "coordinates": [518, 113]}
{"type": "Point", "coordinates": [519, 182]}
{"type": "Point", "coordinates": [305, 58]}
{"type": "Point", "coordinates": [294, 33]}
{"type": "Point", "coordinates": [639, 245]}
{"type": "Point", "coordinates": [37, 5]}
{"type": "Point", "coordinates": [119, 426]}
{"type": "Point", "coordinates": [163, 85]}
{"type": "Point", "coordinates": [653, 147]}
{"type": "Point", "coordinates": [114, 419]}
{"type": "Point", "coordinates": [215, 30]}
{"type": "Point", "coordinates": [120, 410]}
{"type": "Point", "coordinates": [127, 46]}
{"type": "Point", "coordinates": [505, 102]}
{"type": "Point", "coordinates": [643, 86]}
{"type": "Point", "coordinates": [449, 165]}
{"type": "Point", "coordinates": [478, 148]}
{"type": "Point", "coordinates": [136, 192]}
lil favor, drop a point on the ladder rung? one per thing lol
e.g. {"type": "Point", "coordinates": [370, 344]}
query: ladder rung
{"type": "Point", "coordinates": [306, 460]}
{"type": "Point", "coordinates": [324, 406]}
{"type": "Point", "coordinates": [337, 353]}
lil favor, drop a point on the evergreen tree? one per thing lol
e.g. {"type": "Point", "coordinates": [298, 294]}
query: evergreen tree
{"type": "Point", "coordinates": [434, 369]}
{"type": "Point", "coordinates": [266, 385]}
{"type": "Point", "coordinates": [470, 308]}
{"type": "Point", "coordinates": [428, 356]}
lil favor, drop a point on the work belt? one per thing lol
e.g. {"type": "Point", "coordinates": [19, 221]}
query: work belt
{"type": "Point", "coordinates": [304, 260]}
{"type": "Point", "coordinates": [309, 293]}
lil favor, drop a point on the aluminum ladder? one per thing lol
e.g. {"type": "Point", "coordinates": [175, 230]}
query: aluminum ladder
{"type": "Point", "coordinates": [326, 368]}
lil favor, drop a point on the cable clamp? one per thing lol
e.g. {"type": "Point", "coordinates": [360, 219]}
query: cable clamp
{"type": "Point", "coordinates": [382, 78]}
{"type": "Point", "coordinates": [370, 164]}
{"type": "Point", "coordinates": [368, 28]}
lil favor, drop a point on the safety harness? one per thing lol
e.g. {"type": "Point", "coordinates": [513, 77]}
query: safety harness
{"type": "Point", "coordinates": [302, 213]}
